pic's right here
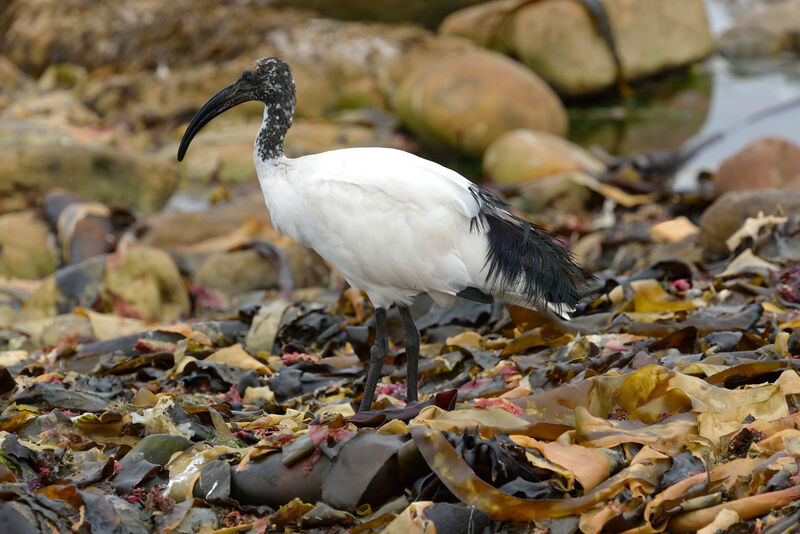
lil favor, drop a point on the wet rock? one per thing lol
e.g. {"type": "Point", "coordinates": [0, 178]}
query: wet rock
{"type": "Point", "coordinates": [770, 30]}
{"type": "Point", "coordinates": [469, 99]}
{"type": "Point", "coordinates": [37, 157]}
{"type": "Point", "coordinates": [26, 250]}
{"type": "Point", "coordinates": [727, 214]}
{"type": "Point", "coordinates": [144, 283]}
{"type": "Point", "coordinates": [522, 155]}
{"type": "Point", "coordinates": [769, 162]}
{"type": "Point", "coordinates": [560, 41]}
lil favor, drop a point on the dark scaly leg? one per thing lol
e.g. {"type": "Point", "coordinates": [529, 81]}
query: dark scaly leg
{"type": "Point", "coordinates": [411, 342]}
{"type": "Point", "coordinates": [377, 355]}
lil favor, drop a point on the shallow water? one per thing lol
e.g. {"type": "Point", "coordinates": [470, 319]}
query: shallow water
{"type": "Point", "coordinates": [691, 105]}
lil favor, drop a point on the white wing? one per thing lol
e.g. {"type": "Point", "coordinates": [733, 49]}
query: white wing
{"type": "Point", "coordinates": [394, 224]}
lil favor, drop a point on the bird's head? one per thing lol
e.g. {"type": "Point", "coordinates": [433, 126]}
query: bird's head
{"type": "Point", "coordinates": [268, 80]}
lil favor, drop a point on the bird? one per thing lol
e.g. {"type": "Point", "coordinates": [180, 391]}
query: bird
{"type": "Point", "coordinates": [395, 225]}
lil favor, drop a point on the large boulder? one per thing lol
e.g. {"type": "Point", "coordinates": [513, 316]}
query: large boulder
{"type": "Point", "coordinates": [560, 40]}
{"type": "Point", "coordinates": [467, 100]}
{"type": "Point", "coordinates": [766, 163]}
{"type": "Point", "coordinates": [769, 30]}
{"type": "Point", "coordinates": [522, 155]}
{"type": "Point", "coordinates": [727, 214]}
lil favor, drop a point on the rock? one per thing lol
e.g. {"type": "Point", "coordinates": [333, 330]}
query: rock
{"type": "Point", "coordinates": [770, 30]}
{"type": "Point", "coordinates": [149, 99]}
{"type": "Point", "coordinates": [467, 100]}
{"type": "Point", "coordinates": [84, 229]}
{"type": "Point", "coordinates": [727, 214]}
{"type": "Point", "coordinates": [422, 12]}
{"type": "Point", "coordinates": [137, 36]}
{"type": "Point", "coordinates": [237, 272]}
{"type": "Point", "coordinates": [170, 230]}
{"type": "Point", "coordinates": [11, 78]}
{"type": "Point", "coordinates": [522, 155]}
{"type": "Point", "coordinates": [475, 94]}
{"type": "Point", "coordinates": [35, 156]}
{"type": "Point", "coordinates": [558, 193]}
{"type": "Point", "coordinates": [769, 162]}
{"type": "Point", "coordinates": [26, 249]}
{"type": "Point", "coordinates": [63, 75]}
{"type": "Point", "coordinates": [559, 40]}
{"type": "Point", "coordinates": [144, 283]}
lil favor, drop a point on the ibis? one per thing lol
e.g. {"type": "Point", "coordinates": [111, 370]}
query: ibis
{"type": "Point", "coordinates": [395, 225]}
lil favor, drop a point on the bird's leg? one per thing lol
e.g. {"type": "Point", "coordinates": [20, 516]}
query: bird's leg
{"type": "Point", "coordinates": [377, 355]}
{"type": "Point", "coordinates": [411, 342]}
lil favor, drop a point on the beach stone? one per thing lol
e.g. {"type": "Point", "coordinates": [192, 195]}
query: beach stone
{"type": "Point", "coordinates": [557, 193]}
{"type": "Point", "coordinates": [240, 271]}
{"type": "Point", "coordinates": [26, 249]}
{"type": "Point", "coordinates": [727, 214]}
{"type": "Point", "coordinates": [769, 162]}
{"type": "Point", "coordinates": [144, 283]}
{"type": "Point", "coordinates": [522, 155]}
{"type": "Point", "coordinates": [559, 39]}
{"type": "Point", "coordinates": [170, 230]}
{"type": "Point", "coordinates": [768, 30]}
{"type": "Point", "coordinates": [468, 99]}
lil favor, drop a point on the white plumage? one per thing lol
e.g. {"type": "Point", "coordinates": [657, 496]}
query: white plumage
{"type": "Point", "coordinates": [395, 225]}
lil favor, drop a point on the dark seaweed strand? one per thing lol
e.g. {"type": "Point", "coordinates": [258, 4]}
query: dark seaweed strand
{"type": "Point", "coordinates": [519, 249]}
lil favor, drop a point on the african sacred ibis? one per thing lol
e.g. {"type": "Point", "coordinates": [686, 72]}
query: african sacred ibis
{"type": "Point", "coordinates": [395, 225]}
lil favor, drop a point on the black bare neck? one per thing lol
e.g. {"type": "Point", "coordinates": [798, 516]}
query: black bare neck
{"type": "Point", "coordinates": [277, 120]}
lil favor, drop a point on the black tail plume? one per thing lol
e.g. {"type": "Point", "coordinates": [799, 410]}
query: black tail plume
{"type": "Point", "coordinates": [526, 258]}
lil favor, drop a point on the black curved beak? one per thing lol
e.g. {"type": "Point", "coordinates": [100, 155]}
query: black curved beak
{"type": "Point", "coordinates": [236, 93]}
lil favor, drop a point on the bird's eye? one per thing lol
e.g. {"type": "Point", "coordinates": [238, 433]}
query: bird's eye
{"type": "Point", "coordinates": [247, 76]}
